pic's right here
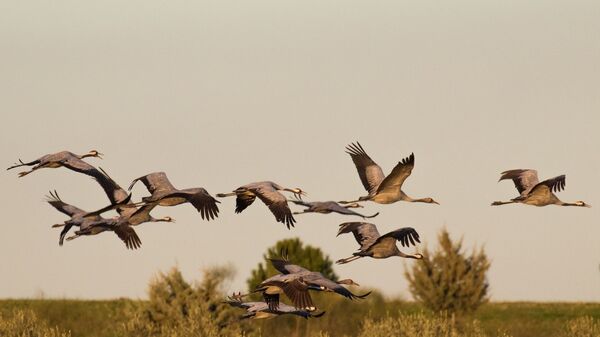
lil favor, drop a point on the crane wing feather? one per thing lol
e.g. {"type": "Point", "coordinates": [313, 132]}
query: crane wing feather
{"type": "Point", "coordinates": [406, 236]}
{"type": "Point", "coordinates": [277, 204]}
{"type": "Point", "coordinates": [369, 172]}
{"type": "Point", "coordinates": [555, 184]}
{"type": "Point", "coordinates": [399, 174]}
{"type": "Point", "coordinates": [128, 235]}
{"type": "Point", "coordinates": [54, 200]}
{"type": "Point", "coordinates": [155, 182]}
{"type": "Point", "coordinates": [524, 179]}
{"type": "Point", "coordinates": [365, 233]}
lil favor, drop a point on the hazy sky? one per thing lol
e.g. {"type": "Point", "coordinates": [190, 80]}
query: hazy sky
{"type": "Point", "coordinates": [222, 93]}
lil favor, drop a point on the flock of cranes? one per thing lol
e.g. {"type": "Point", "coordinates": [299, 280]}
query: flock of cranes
{"type": "Point", "coordinates": [294, 281]}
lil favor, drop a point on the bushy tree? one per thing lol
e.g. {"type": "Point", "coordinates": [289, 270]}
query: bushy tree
{"type": "Point", "coordinates": [306, 256]}
{"type": "Point", "coordinates": [448, 279]}
{"type": "Point", "coordinates": [178, 308]}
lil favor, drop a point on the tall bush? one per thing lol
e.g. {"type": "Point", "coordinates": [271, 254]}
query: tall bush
{"type": "Point", "coordinates": [449, 279]}
{"type": "Point", "coordinates": [177, 308]}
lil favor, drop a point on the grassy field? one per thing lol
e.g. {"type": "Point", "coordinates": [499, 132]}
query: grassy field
{"type": "Point", "coordinates": [102, 318]}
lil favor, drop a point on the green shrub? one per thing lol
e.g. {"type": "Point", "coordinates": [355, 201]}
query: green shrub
{"type": "Point", "coordinates": [24, 323]}
{"type": "Point", "coordinates": [448, 280]}
{"type": "Point", "coordinates": [177, 308]}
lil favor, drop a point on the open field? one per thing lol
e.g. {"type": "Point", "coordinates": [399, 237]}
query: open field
{"type": "Point", "coordinates": [103, 318]}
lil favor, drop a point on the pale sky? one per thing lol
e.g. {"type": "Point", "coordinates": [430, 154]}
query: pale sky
{"type": "Point", "coordinates": [222, 93]}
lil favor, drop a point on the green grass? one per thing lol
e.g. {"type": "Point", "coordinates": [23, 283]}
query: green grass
{"type": "Point", "coordinates": [519, 319]}
{"type": "Point", "coordinates": [533, 319]}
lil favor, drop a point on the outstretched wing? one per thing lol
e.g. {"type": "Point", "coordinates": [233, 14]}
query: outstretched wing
{"type": "Point", "coordinates": [243, 200]}
{"type": "Point", "coordinates": [54, 200]}
{"type": "Point", "coordinates": [369, 172]}
{"type": "Point", "coordinates": [78, 165]}
{"type": "Point", "coordinates": [272, 300]}
{"type": "Point", "coordinates": [555, 184]}
{"type": "Point", "coordinates": [365, 233]}
{"type": "Point", "coordinates": [204, 203]}
{"type": "Point", "coordinates": [297, 292]}
{"type": "Point", "coordinates": [278, 205]}
{"type": "Point", "coordinates": [406, 236]}
{"type": "Point", "coordinates": [63, 233]}
{"type": "Point", "coordinates": [154, 182]}
{"type": "Point", "coordinates": [286, 267]}
{"type": "Point", "coordinates": [128, 235]}
{"type": "Point", "coordinates": [115, 193]}
{"type": "Point", "coordinates": [524, 179]}
{"type": "Point", "coordinates": [399, 174]}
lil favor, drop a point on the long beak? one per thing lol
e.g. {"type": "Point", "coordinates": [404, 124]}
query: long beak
{"type": "Point", "coordinates": [299, 195]}
{"type": "Point", "coordinates": [348, 202]}
{"type": "Point", "coordinates": [435, 202]}
{"type": "Point", "coordinates": [100, 155]}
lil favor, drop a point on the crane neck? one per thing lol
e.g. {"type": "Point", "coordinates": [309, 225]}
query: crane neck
{"type": "Point", "coordinates": [410, 256]}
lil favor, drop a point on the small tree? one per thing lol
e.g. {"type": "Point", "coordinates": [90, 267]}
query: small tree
{"type": "Point", "coordinates": [177, 308]}
{"type": "Point", "coordinates": [448, 280]}
{"type": "Point", "coordinates": [309, 257]}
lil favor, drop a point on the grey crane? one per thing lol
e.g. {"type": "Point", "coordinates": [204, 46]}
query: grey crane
{"type": "Point", "coordinates": [129, 215]}
{"type": "Point", "coordinates": [121, 225]}
{"type": "Point", "coordinates": [536, 193]}
{"type": "Point", "coordinates": [163, 193]}
{"type": "Point", "coordinates": [75, 163]}
{"type": "Point", "coordinates": [125, 232]}
{"type": "Point", "coordinates": [377, 246]}
{"type": "Point", "coordinates": [127, 210]}
{"type": "Point", "coordinates": [382, 189]}
{"type": "Point", "coordinates": [55, 160]}
{"type": "Point", "coordinates": [119, 199]}
{"type": "Point", "coordinates": [326, 207]}
{"type": "Point", "coordinates": [89, 224]}
{"type": "Point", "coordinates": [295, 281]}
{"type": "Point", "coordinates": [268, 192]}
{"type": "Point", "coordinates": [261, 310]}
{"type": "Point", "coordinates": [78, 216]}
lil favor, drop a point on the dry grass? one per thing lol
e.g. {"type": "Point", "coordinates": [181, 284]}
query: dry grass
{"type": "Point", "coordinates": [24, 323]}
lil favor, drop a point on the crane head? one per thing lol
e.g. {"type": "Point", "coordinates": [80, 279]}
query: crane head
{"type": "Point", "coordinates": [298, 192]}
{"type": "Point", "coordinates": [349, 282]}
{"type": "Point", "coordinates": [582, 204]}
{"type": "Point", "coordinates": [94, 153]}
{"type": "Point", "coordinates": [430, 201]}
